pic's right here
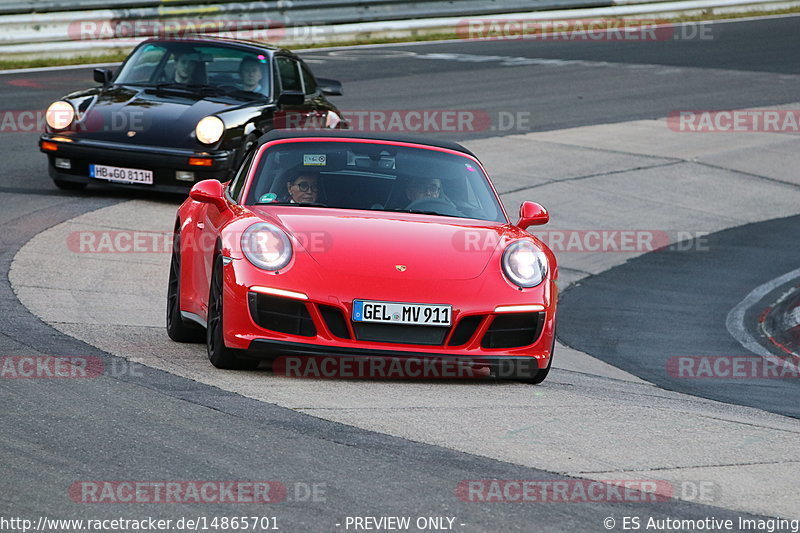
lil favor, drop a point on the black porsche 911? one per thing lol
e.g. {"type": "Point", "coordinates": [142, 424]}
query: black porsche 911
{"type": "Point", "coordinates": [179, 111]}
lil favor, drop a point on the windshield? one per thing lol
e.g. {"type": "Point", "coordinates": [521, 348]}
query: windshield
{"type": "Point", "coordinates": [183, 64]}
{"type": "Point", "coordinates": [373, 176]}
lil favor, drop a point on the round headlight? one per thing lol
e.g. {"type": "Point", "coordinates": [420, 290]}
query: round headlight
{"type": "Point", "coordinates": [524, 263]}
{"type": "Point", "coordinates": [209, 130]}
{"type": "Point", "coordinates": [60, 115]}
{"type": "Point", "coordinates": [266, 246]}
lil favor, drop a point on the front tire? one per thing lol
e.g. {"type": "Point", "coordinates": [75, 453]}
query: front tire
{"type": "Point", "coordinates": [220, 355]}
{"type": "Point", "coordinates": [541, 375]}
{"type": "Point", "coordinates": [178, 329]}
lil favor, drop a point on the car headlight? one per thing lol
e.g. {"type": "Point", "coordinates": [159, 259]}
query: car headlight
{"type": "Point", "coordinates": [524, 263]}
{"type": "Point", "coordinates": [266, 246]}
{"type": "Point", "coordinates": [60, 115]}
{"type": "Point", "coordinates": [209, 130]}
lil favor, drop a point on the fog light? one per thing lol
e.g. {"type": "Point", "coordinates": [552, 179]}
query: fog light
{"type": "Point", "coordinates": [184, 175]}
{"type": "Point", "coordinates": [63, 163]}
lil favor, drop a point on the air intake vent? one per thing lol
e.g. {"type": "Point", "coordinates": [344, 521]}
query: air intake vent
{"type": "Point", "coordinates": [513, 330]}
{"type": "Point", "coordinates": [335, 321]}
{"type": "Point", "coordinates": [281, 314]}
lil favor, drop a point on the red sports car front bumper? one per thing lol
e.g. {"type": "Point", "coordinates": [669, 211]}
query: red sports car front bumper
{"type": "Point", "coordinates": [295, 313]}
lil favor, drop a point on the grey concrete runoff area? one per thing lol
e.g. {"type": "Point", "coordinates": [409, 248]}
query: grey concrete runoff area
{"type": "Point", "coordinates": [588, 419]}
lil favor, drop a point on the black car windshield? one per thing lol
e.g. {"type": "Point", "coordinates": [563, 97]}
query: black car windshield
{"type": "Point", "coordinates": [373, 176]}
{"type": "Point", "coordinates": [196, 65]}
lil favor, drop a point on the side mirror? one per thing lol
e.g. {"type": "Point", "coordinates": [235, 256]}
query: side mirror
{"type": "Point", "coordinates": [103, 75]}
{"type": "Point", "coordinates": [330, 87]}
{"type": "Point", "coordinates": [209, 192]}
{"type": "Point", "coordinates": [532, 214]}
{"type": "Point", "coordinates": [291, 98]}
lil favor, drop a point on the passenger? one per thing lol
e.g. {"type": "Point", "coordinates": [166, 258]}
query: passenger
{"type": "Point", "coordinates": [424, 188]}
{"type": "Point", "coordinates": [250, 72]}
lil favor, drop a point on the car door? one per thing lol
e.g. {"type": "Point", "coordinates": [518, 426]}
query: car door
{"type": "Point", "coordinates": [321, 106]}
{"type": "Point", "coordinates": [289, 76]}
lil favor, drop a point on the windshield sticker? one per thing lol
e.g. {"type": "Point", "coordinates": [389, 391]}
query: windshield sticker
{"type": "Point", "coordinates": [267, 198]}
{"type": "Point", "coordinates": [314, 160]}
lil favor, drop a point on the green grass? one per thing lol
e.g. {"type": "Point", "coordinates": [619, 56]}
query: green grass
{"type": "Point", "coordinates": [6, 64]}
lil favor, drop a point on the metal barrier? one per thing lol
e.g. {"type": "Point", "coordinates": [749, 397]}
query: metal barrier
{"type": "Point", "coordinates": [32, 28]}
{"type": "Point", "coordinates": [305, 11]}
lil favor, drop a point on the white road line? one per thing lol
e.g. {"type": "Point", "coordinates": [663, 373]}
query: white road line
{"type": "Point", "coordinates": [735, 320]}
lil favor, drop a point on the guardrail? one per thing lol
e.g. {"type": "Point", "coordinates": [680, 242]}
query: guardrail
{"type": "Point", "coordinates": [333, 10]}
{"type": "Point", "coordinates": [42, 32]}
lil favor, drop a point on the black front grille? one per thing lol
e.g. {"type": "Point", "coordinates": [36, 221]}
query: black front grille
{"type": "Point", "coordinates": [335, 321]}
{"type": "Point", "coordinates": [281, 314]}
{"type": "Point", "coordinates": [426, 335]}
{"type": "Point", "coordinates": [465, 329]}
{"type": "Point", "coordinates": [513, 330]}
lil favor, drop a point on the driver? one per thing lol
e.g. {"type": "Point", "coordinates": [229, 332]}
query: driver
{"type": "Point", "coordinates": [421, 188]}
{"type": "Point", "coordinates": [185, 66]}
{"type": "Point", "coordinates": [303, 188]}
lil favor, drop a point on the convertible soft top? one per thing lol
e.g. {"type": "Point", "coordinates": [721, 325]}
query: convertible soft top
{"type": "Point", "coordinates": [274, 135]}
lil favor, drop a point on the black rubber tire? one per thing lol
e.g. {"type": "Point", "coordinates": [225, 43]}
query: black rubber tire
{"type": "Point", "coordinates": [178, 329]}
{"type": "Point", "coordinates": [220, 355]}
{"type": "Point", "coordinates": [541, 375]}
{"type": "Point", "coordinates": [70, 185]}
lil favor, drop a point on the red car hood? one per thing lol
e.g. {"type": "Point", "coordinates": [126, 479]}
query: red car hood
{"type": "Point", "coordinates": [380, 244]}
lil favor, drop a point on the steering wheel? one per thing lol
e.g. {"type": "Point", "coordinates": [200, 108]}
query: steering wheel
{"type": "Point", "coordinates": [438, 205]}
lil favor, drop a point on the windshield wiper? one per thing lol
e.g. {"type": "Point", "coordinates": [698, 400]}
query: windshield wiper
{"type": "Point", "coordinates": [175, 87]}
{"type": "Point", "coordinates": [299, 204]}
{"type": "Point", "coordinates": [241, 94]}
{"type": "Point", "coordinates": [421, 212]}
{"type": "Point", "coordinates": [206, 90]}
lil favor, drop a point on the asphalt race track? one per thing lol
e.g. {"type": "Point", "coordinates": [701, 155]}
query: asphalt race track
{"type": "Point", "coordinates": [587, 139]}
{"type": "Point", "coordinates": [683, 313]}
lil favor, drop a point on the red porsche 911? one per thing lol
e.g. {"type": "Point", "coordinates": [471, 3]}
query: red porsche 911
{"type": "Point", "coordinates": [341, 244]}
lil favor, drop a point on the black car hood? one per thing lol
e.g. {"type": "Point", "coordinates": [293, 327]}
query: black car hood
{"type": "Point", "coordinates": [146, 117]}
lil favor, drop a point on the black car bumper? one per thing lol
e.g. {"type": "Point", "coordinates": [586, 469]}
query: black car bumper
{"type": "Point", "coordinates": [285, 355]}
{"type": "Point", "coordinates": [163, 162]}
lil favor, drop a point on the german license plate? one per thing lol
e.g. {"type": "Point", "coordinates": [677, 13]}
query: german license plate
{"type": "Point", "coordinates": [402, 313]}
{"type": "Point", "coordinates": [121, 175]}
